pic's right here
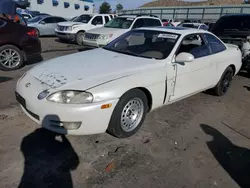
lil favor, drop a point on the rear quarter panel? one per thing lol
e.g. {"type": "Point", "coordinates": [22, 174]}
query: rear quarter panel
{"type": "Point", "coordinates": [231, 56]}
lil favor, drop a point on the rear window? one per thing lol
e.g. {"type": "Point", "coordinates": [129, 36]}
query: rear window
{"type": "Point", "coordinates": [232, 23]}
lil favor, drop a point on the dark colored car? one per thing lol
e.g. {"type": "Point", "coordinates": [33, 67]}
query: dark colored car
{"type": "Point", "coordinates": [18, 44]}
{"type": "Point", "coordinates": [235, 29]}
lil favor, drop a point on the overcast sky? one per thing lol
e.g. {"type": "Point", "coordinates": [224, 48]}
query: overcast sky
{"type": "Point", "coordinates": [127, 4]}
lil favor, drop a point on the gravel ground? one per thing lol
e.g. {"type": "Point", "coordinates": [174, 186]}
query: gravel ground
{"type": "Point", "coordinates": [200, 142]}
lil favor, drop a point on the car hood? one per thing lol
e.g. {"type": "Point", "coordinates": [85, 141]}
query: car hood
{"type": "Point", "coordinates": [88, 69]}
{"type": "Point", "coordinates": [69, 23]}
{"type": "Point", "coordinates": [106, 30]}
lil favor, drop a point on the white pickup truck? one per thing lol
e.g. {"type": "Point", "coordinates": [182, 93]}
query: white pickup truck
{"type": "Point", "coordinates": [74, 30]}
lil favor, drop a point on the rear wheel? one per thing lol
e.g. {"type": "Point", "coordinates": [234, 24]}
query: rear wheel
{"type": "Point", "coordinates": [79, 38]}
{"type": "Point", "coordinates": [128, 114]}
{"type": "Point", "coordinates": [11, 58]}
{"type": "Point", "coordinates": [225, 82]}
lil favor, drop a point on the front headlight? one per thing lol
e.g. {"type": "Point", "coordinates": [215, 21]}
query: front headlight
{"type": "Point", "coordinates": [105, 37]}
{"type": "Point", "coordinates": [69, 28]}
{"type": "Point", "coordinates": [71, 97]}
{"type": "Point", "coordinates": [74, 26]}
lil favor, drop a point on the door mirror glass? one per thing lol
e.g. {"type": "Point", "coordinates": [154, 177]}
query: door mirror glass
{"type": "Point", "coordinates": [42, 22]}
{"type": "Point", "coordinates": [184, 57]}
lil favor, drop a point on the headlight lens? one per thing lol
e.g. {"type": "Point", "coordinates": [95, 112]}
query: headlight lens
{"type": "Point", "coordinates": [74, 26]}
{"type": "Point", "coordinates": [69, 28]}
{"type": "Point", "coordinates": [71, 97]}
{"type": "Point", "coordinates": [105, 37]}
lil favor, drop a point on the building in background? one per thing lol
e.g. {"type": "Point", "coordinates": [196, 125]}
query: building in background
{"type": "Point", "coordinates": [64, 8]}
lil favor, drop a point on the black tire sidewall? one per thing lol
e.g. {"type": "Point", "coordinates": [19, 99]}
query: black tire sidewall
{"type": "Point", "coordinates": [114, 127]}
{"type": "Point", "coordinates": [217, 89]}
{"type": "Point", "coordinates": [18, 51]}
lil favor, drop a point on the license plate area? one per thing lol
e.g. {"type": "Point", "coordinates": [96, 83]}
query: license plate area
{"type": "Point", "coordinates": [20, 99]}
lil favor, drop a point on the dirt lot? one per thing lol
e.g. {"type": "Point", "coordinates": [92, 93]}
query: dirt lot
{"type": "Point", "coordinates": [200, 142]}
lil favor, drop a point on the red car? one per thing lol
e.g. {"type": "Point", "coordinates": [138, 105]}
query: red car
{"type": "Point", "coordinates": [167, 22]}
{"type": "Point", "coordinates": [18, 44]}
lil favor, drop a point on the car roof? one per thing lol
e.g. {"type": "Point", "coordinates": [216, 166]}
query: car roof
{"type": "Point", "coordinates": [236, 15]}
{"type": "Point", "coordinates": [177, 30]}
{"type": "Point", "coordinates": [195, 24]}
{"type": "Point", "coordinates": [136, 16]}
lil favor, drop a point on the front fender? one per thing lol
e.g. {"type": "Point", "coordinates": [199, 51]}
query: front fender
{"type": "Point", "coordinates": [154, 82]}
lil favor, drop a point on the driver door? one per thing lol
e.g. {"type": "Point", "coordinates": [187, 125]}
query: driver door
{"type": "Point", "coordinates": [196, 76]}
{"type": "Point", "coordinates": [46, 25]}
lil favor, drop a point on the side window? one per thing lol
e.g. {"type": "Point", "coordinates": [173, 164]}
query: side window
{"type": "Point", "coordinates": [106, 19]}
{"type": "Point", "coordinates": [194, 45]}
{"type": "Point", "coordinates": [152, 22]}
{"type": "Point", "coordinates": [57, 20]}
{"type": "Point", "coordinates": [48, 20]}
{"type": "Point", "coordinates": [215, 44]}
{"type": "Point", "coordinates": [97, 20]}
{"type": "Point", "coordinates": [138, 23]}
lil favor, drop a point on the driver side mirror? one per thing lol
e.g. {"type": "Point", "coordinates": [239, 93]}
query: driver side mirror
{"type": "Point", "coordinates": [42, 22]}
{"type": "Point", "coordinates": [184, 58]}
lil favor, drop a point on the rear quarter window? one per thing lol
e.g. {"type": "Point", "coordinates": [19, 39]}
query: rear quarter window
{"type": "Point", "coordinates": [2, 23]}
{"type": "Point", "coordinates": [215, 44]}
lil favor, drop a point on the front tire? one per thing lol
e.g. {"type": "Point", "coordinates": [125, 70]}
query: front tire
{"type": "Point", "coordinates": [11, 58]}
{"type": "Point", "coordinates": [79, 38]}
{"type": "Point", "coordinates": [225, 82]}
{"type": "Point", "coordinates": [129, 114]}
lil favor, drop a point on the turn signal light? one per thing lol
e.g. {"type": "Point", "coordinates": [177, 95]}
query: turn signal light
{"type": "Point", "coordinates": [106, 106]}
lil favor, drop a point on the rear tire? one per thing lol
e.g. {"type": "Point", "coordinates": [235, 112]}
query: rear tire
{"type": "Point", "coordinates": [11, 58]}
{"type": "Point", "coordinates": [129, 114]}
{"type": "Point", "coordinates": [79, 38]}
{"type": "Point", "coordinates": [225, 82]}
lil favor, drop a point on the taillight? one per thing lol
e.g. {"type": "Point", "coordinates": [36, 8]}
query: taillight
{"type": "Point", "coordinates": [33, 33]}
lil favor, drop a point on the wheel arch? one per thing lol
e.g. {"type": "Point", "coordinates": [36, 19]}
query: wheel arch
{"type": "Point", "coordinates": [233, 67]}
{"type": "Point", "coordinates": [148, 95]}
{"type": "Point", "coordinates": [17, 46]}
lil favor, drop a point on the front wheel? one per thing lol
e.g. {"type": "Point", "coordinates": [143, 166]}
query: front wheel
{"type": "Point", "coordinates": [79, 38]}
{"type": "Point", "coordinates": [225, 82]}
{"type": "Point", "coordinates": [129, 114]}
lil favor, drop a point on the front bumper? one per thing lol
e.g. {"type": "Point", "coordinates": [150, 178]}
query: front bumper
{"type": "Point", "coordinates": [66, 36]}
{"type": "Point", "coordinates": [95, 43]}
{"type": "Point", "coordinates": [51, 115]}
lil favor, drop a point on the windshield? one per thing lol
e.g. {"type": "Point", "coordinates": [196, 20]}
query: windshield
{"type": "Point", "coordinates": [232, 23]}
{"type": "Point", "coordinates": [35, 19]}
{"type": "Point", "coordinates": [83, 18]}
{"type": "Point", "coordinates": [120, 23]}
{"type": "Point", "coordinates": [144, 43]}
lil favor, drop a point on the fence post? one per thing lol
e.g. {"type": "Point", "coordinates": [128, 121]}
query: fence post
{"type": "Point", "coordinates": [203, 12]}
{"type": "Point", "coordinates": [161, 14]}
{"type": "Point", "coordinates": [174, 14]}
{"type": "Point", "coordinates": [221, 11]}
{"type": "Point", "coordinates": [241, 10]}
{"type": "Point", "coordinates": [187, 13]}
